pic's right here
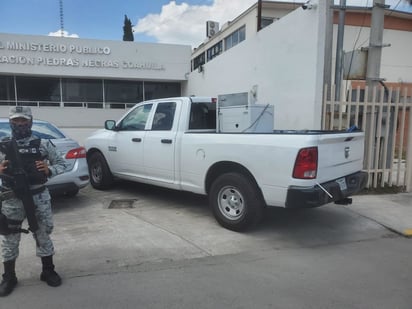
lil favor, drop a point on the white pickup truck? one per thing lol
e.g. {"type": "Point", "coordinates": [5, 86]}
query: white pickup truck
{"type": "Point", "coordinates": [174, 143]}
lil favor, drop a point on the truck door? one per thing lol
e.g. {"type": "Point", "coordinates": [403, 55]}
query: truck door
{"type": "Point", "coordinates": [126, 148]}
{"type": "Point", "coordinates": [160, 143]}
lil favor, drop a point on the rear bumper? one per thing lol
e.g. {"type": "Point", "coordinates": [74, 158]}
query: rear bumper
{"type": "Point", "coordinates": [304, 197]}
{"type": "Point", "coordinates": [71, 180]}
{"type": "Point", "coordinates": [63, 188]}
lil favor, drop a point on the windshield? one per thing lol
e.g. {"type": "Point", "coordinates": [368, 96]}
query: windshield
{"type": "Point", "coordinates": [42, 130]}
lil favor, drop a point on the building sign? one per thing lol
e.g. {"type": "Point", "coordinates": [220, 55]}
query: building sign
{"type": "Point", "coordinates": [73, 57]}
{"type": "Point", "coordinates": [66, 55]}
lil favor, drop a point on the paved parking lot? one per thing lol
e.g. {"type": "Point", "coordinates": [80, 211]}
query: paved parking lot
{"type": "Point", "coordinates": [159, 248]}
{"type": "Point", "coordinates": [150, 224]}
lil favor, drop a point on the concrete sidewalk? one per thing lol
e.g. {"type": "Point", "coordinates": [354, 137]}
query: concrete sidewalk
{"type": "Point", "coordinates": [393, 211]}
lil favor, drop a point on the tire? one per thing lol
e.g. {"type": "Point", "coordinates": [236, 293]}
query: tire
{"type": "Point", "coordinates": [100, 176]}
{"type": "Point", "coordinates": [236, 201]}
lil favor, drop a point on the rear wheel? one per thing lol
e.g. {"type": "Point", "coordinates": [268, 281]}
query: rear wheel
{"type": "Point", "coordinates": [100, 176]}
{"type": "Point", "coordinates": [236, 201]}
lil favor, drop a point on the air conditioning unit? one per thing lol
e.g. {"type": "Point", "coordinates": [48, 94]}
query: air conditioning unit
{"type": "Point", "coordinates": [256, 118]}
{"type": "Point", "coordinates": [212, 27]}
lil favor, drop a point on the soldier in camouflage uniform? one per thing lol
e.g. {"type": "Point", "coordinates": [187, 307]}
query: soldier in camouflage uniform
{"type": "Point", "coordinates": [50, 165]}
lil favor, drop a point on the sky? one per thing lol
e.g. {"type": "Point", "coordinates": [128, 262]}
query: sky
{"type": "Point", "coordinates": [160, 21]}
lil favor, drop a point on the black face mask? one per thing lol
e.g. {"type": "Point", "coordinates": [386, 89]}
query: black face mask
{"type": "Point", "coordinates": [19, 131]}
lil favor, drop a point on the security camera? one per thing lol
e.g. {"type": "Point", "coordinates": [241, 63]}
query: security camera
{"type": "Point", "coordinates": [308, 6]}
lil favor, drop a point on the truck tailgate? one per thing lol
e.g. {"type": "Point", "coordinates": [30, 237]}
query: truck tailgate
{"type": "Point", "coordinates": [339, 154]}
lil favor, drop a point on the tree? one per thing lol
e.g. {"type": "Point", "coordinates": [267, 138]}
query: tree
{"type": "Point", "coordinates": [127, 30]}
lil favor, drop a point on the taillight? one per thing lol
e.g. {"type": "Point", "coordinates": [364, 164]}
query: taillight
{"type": "Point", "coordinates": [76, 153]}
{"type": "Point", "coordinates": [306, 164]}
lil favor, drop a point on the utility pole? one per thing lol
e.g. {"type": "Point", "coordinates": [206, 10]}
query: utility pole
{"type": "Point", "coordinates": [373, 79]}
{"type": "Point", "coordinates": [327, 72]}
{"type": "Point", "coordinates": [375, 45]}
{"type": "Point", "coordinates": [339, 49]}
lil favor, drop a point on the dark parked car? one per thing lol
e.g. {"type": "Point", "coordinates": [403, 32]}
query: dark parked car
{"type": "Point", "coordinates": [76, 175]}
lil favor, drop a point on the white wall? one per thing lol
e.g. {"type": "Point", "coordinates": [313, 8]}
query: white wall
{"type": "Point", "coordinates": [396, 64]}
{"type": "Point", "coordinates": [77, 123]}
{"type": "Point", "coordinates": [72, 116]}
{"type": "Point", "coordinates": [285, 61]}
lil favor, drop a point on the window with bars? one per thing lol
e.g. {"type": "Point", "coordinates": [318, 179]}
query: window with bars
{"type": "Point", "coordinates": [198, 61]}
{"type": "Point", "coordinates": [214, 51]}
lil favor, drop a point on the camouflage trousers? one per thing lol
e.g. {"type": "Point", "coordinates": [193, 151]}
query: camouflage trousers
{"type": "Point", "coordinates": [13, 209]}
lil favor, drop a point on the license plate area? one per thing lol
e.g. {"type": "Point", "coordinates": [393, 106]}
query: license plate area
{"type": "Point", "coordinates": [342, 183]}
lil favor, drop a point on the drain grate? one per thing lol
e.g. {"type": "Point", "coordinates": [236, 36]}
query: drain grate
{"type": "Point", "coordinates": [122, 203]}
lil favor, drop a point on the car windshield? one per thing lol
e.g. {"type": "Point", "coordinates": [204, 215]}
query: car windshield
{"type": "Point", "coordinates": [42, 130]}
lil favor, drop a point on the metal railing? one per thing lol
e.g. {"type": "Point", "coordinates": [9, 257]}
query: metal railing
{"type": "Point", "coordinates": [385, 117]}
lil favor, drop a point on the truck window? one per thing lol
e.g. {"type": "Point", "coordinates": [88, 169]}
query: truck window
{"type": "Point", "coordinates": [202, 116]}
{"type": "Point", "coordinates": [164, 115]}
{"type": "Point", "coordinates": [136, 119]}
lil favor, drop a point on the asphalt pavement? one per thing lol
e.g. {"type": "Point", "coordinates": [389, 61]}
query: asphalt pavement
{"type": "Point", "coordinates": [135, 223]}
{"type": "Point", "coordinates": [109, 241]}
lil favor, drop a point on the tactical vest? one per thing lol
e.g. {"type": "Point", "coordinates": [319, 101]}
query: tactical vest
{"type": "Point", "coordinates": [29, 155]}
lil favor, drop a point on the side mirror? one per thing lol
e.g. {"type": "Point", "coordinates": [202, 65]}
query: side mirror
{"type": "Point", "coordinates": [110, 125]}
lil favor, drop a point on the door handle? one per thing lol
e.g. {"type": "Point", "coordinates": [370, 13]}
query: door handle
{"type": "Point", "coordinates": [136, 139]}
{"type": "Point", "coordinates": [166, 141]}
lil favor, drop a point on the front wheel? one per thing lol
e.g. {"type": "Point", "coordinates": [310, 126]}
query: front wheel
{"type": "Point", "coordinates": [236, 201]}
{"type": "Point", "coordinates": [100, 176]}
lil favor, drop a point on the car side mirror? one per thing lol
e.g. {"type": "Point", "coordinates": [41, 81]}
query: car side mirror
{"type": "Point", "coordinates": [110, 125]}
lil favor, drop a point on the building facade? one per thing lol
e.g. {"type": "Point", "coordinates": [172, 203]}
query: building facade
{"type": "Point", "coordinates": [67, 72]}
{"type": "Point", "coordinates": [396, 66]}
{"type": "Point", "coordinates": [284, 54]}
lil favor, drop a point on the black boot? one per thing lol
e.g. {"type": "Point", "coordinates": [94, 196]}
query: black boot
{"type": "Point", "coordinates": [9, 281]}
{"type": "Point", "coordinates": [48, 274]}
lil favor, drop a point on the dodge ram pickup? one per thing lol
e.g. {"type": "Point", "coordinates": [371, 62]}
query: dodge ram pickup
{"type": "Point", "coordinates": [175, 143]}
